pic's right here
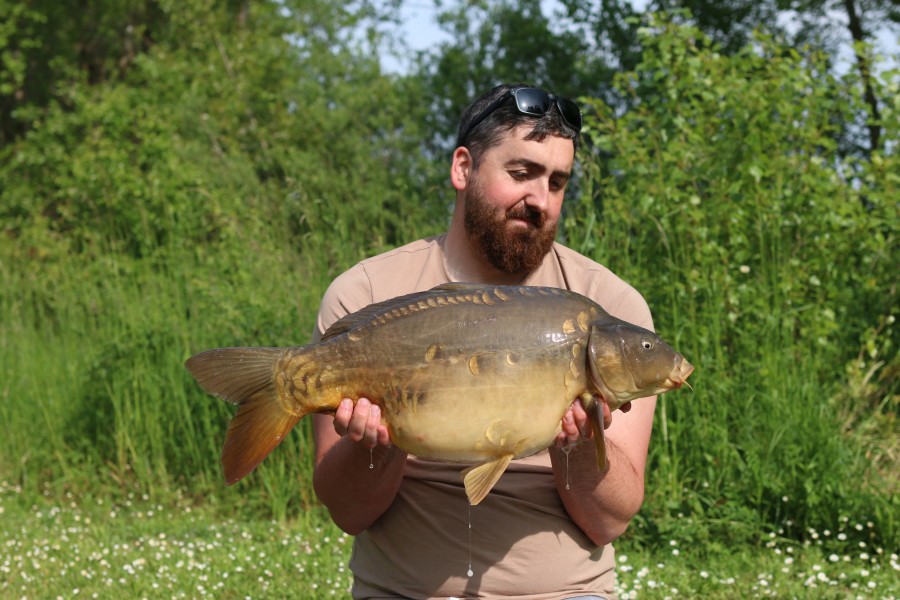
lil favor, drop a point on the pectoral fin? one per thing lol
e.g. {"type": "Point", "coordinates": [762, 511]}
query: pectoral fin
{"type": "Point", "coordinates": [595, 414]}
{"type": "Point", "coordinates": [481, 478]}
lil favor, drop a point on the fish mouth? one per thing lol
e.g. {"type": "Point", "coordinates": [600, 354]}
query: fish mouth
{"type": "Point", "coordinates": [680, 373]}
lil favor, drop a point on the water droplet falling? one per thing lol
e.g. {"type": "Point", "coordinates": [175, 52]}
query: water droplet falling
{"type": "Point", "coordinates": [566, 450]}
{"type": "Point", "coordinates": [470, 572]}
{"type": "Point", "coordinates": [371, 461]}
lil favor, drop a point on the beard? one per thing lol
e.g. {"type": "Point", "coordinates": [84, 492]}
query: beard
{"type": "Point", "coordinates": [510, 250]}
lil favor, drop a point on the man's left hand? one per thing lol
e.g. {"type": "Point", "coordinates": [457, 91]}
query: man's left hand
{"type": "Point", "coordinates": [576, 425]}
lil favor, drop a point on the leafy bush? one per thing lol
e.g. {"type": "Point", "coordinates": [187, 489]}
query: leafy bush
{"type": "Point", "coordinates": [768, 257]}
{"type": "Point", "coordinates": [204, 198]}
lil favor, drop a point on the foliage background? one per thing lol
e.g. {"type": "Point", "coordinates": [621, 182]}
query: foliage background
{"type": "Point", "coordinates": [178, 176]}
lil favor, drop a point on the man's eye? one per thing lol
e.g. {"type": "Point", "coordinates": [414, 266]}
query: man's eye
{"type": "Point", "coordinates": [520, 175]}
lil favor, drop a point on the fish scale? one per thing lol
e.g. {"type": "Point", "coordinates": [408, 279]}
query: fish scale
{"type": "Point", "coordinates": [466, 373]}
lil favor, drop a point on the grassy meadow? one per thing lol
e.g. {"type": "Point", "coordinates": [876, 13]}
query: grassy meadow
{"type": "Point", "coordinates": [93, 547]}
{"type": "Point", "coordinates": [767, 251]}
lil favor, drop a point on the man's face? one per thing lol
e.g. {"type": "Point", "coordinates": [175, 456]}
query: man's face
{"type": "Point", "coordinates": [513, 200]}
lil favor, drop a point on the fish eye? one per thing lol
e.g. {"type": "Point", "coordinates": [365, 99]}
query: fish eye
{"type": "Point", "coordinates": [647, 344]}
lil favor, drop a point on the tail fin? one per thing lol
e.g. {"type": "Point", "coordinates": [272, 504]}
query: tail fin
{"type": "Point", "coordinates": [246, 377]}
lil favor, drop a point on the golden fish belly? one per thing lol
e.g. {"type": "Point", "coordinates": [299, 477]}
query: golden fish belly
{"type": "Point", "coordinates": [481, 422]}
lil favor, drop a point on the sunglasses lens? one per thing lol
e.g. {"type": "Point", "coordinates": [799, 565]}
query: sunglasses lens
{"type": "Point", "coordinates": [535, 102]}
{"type": "Point", "coordinates": [570, 113]}
{"type": "Point", "coordinates": [532, 101]}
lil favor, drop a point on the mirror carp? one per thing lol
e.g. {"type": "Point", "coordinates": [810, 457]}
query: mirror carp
{"type": "Point", "coordinates": [464, 373]}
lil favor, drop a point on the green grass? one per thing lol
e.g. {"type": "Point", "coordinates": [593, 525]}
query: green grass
{"type": "Point", "coordinates": [142, 547]}
{"type": "Point", "coordinates": [91, 364]}
{"type": "Point", "coordinates": [781, 569]}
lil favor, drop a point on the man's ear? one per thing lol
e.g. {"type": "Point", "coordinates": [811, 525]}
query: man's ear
{"type": "Point", "coordinates": [461, 168]}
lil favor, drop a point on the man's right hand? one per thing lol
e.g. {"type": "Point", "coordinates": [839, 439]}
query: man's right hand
{"type": "Point", "coordinates": [361, 422]}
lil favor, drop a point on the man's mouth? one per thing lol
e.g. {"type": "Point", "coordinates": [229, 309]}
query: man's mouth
{"type": "Point", "coordinates": [531, 218]}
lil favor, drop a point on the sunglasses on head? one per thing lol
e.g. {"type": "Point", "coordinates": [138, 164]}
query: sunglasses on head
{"type": "Point", "coordinates": [534, 102]}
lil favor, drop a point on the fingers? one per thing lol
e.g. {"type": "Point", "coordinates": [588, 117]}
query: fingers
{"type": "Point", "coordinates": [342, 416]}
{"type": "Point", "coordinates": [569, 434]}
{"type": "Point", "coordinates": [576, 425]}
{"type": "Point", "coordinates": [361, 422]}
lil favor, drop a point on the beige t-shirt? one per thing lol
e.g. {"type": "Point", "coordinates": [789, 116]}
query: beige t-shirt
{"type": "Point", "coordinates": [523, 543]}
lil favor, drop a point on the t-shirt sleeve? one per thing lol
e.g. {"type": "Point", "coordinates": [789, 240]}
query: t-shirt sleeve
{"type": "Point", "coordinates": [604, 287]}
{"type": "Point", "coordinates": [348, 293]}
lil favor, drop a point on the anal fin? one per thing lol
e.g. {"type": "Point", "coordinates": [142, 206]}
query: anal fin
{"type": "Point", "coordinates": [481, 478]}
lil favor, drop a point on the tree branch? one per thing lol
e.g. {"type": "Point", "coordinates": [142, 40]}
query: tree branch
{"type": "Point", "coordinates": [856, 31]}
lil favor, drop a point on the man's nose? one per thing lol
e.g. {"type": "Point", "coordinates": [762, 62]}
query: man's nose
{"type": "Point", "coordinates": [538, 196]}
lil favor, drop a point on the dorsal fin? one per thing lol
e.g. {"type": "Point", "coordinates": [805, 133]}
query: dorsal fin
{"type": "Point", "coordinates": [461, 286]}
{"type": "Point", "coordinates": [348, 322]}
{"type": "Point", "coordinates": [366, 314]}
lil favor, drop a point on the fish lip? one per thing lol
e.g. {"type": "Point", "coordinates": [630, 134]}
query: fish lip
{"type": "Point", "coordinates": [679, 375]}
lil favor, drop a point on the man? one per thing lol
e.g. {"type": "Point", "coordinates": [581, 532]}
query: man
{"type": "Point", "coordinates": [545, 529]}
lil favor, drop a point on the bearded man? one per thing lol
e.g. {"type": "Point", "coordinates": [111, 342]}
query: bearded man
{"type": "Point", "coordinates": [545, 530]}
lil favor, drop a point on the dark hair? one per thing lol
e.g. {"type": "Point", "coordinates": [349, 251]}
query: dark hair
{"type": "Point", "coordinates": [506, 117]}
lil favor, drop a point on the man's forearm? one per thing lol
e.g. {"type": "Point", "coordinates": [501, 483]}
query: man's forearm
{"type": "Point", "coordinates": [355, 494]}
{"type": "Point", "coordinates": [600, 503]}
